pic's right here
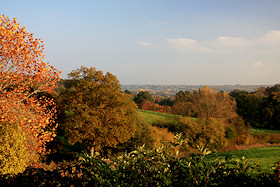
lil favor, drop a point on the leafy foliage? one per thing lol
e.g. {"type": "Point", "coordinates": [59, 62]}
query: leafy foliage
{"type": "Point", "coordinates": [13, 152]}
{"type": "Point", "coordinates": [149, 105]}
{"type": "Point", "coordinates": [270, 111]}
{"type": "Point", "coordinates": [164, 166]}
{"type": "Point", "coordinates": [248, 106]}
{"type": "Point", "coordinates": [141, 97]}
{"type": "Point", "coordinates": [260, 108]}
{"type": "Point", "coordinates": [95, 111]}
{"type": "Point", "coordinates": [205, 103]}
{"type": "Point", "coordinates": [210, 133]}
{"type": "Point", "coordinates": [23, 74]}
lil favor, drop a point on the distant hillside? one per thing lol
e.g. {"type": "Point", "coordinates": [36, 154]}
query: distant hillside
{"type": "Point", "coordinates": [173, 89]}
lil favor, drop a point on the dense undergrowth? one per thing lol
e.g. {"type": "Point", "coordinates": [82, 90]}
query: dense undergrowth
{"type": "Point", "coordinates": [165, 166]}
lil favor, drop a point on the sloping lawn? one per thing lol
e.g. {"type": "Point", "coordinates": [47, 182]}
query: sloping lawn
{"type": "Point", "coordinates": [265, 157]}
{"type": "Point", "coordinates": [153, 117]}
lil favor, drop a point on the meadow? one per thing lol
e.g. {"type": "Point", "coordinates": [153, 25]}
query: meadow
{"type": "Point", "coordinates": [264, 156]}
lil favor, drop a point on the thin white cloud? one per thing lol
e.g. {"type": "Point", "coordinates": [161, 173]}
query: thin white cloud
{"type": "Point", "coordinates": [147, 44]}
{"type": "Point", "coordinates": [268, 42]}
{"type": "Point", "coordinates": [188, 44]}
{"type": "Point", "coordinates": [271, 38]}
{"type": "Point", "coordinates": [226, 41]}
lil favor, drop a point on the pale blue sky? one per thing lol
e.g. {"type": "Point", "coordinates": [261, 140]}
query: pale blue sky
{"type": "Point", "coordinates": [159, 41]}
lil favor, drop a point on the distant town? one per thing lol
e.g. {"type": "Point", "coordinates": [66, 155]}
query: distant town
{"type": "Point", "coordinates": [171, 90]}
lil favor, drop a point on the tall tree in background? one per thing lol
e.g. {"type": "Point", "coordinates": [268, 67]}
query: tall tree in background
{"type": "Point", "coordinates": [205, 103]}
{"type": "Point", "coordinates": [248, 106]}
{"type": "Point", "coordinates": [141, 97]}
{"type": "Point", "coordinates": [270, 111]}
{"type": "Point", "coordinates": [23, 74]}
{"type": "Point", "coordinates": [208, 103]}
{"type": "Point", "coordinates": [182, 103]}
{"type": "Point", "coordinates": [96, 111]}
{"type": "Point", "coordinates": [275, 88]}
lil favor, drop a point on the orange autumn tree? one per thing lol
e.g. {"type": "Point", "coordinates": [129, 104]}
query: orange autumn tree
{"type": "Point", "coordinates": [149, 105]}
{"type": "Point", "coordinates": [23, 74]}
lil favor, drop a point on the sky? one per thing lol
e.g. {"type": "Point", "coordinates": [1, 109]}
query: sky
{"type": "Point", "coordinates": [165, 42]}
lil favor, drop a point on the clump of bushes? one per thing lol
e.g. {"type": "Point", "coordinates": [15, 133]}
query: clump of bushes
{"type": "Point", "coordinates": [148, 135]}
{"type": "Point", "coordinates": [164, 166]}
{"type": "Point", "coordinates": [161, 135]}
{"type": "Point", "coordinates": [210, 133]}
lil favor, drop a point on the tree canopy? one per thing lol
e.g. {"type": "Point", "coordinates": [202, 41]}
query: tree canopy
{"type": "Point", "coordinates": [23, 74]}
{"type": "Point", "coordinates": [96, 111]}
{"type": "Point", "coordinates": [260, 108]}
{"type": "Point", "coordinates": [205, 103]}
{"type": "Point", "coordinates": [141, 97]}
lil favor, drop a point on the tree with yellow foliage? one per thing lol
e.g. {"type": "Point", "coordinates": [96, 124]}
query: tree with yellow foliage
{"type": "Point", "coordinates": [205, 103]}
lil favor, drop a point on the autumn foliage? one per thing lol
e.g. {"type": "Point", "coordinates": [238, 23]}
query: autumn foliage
{"type": "Point", "coordinates": [23, 75]}
{"type": "Point", "coordinates": [149, 105]}
{"type": "Point", "coordinates": [95, 111]}
{"type": "Point", "coordinates": [205, 103]}
{"type": "Point", "coordinates": [14, 154]}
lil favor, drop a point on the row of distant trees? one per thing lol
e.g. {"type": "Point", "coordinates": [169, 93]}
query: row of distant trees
{"type": "Point", "coordinates": [260, 108]}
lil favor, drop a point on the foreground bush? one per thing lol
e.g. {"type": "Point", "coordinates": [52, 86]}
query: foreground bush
{"type": "Point", "coordinates": [13, 152]}
{"type": "Point", "coordinates": [164, 166]}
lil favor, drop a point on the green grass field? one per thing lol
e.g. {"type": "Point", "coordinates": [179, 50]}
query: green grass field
{"type": "Point", "coordinates": [152, 117]}
{"type": "Point", "coordinates": [265, 157]}
{"type": "Point", "coordinates": [254, 130]}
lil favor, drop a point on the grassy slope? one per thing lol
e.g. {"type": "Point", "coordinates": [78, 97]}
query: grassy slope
{"type": "Point", "coordinates": [253, 130]}
{"type": "Point", "coordinates": [152, 117]}
{"type": "Point", "coordinates": [266, 157]}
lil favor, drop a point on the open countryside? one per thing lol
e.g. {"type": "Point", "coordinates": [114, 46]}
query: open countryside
{"type": "Point", "coordinates": [139, 93]}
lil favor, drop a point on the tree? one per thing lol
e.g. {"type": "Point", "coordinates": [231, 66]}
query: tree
{"type": "Point", "coordinates": [182, 103]}
{"type": "Point", "coordinates": [141, 97]}
{"type": "Point", "coordinates": [96, 111]}
{"type": "Point", "coordinates": [236, 93]}
{"type": "Point", "coordinates": [208, 103]}
{"type": "Point", "coordinates": [275, 88]}
{"type": "Point", "coordinates": [248, 106]}
{"type": "Point", "coordinates": [149, 105]}
{"type": "Point", "coordinates": [208, 133]}
{"type": "Point", "coordinates": [166, 102]}
{"type": "Point", "coordinates": [23, 74]}
{"type": "Point", "coordinates": [270, 111]}
{"type": "Point", "coordinates": [205, 103]}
